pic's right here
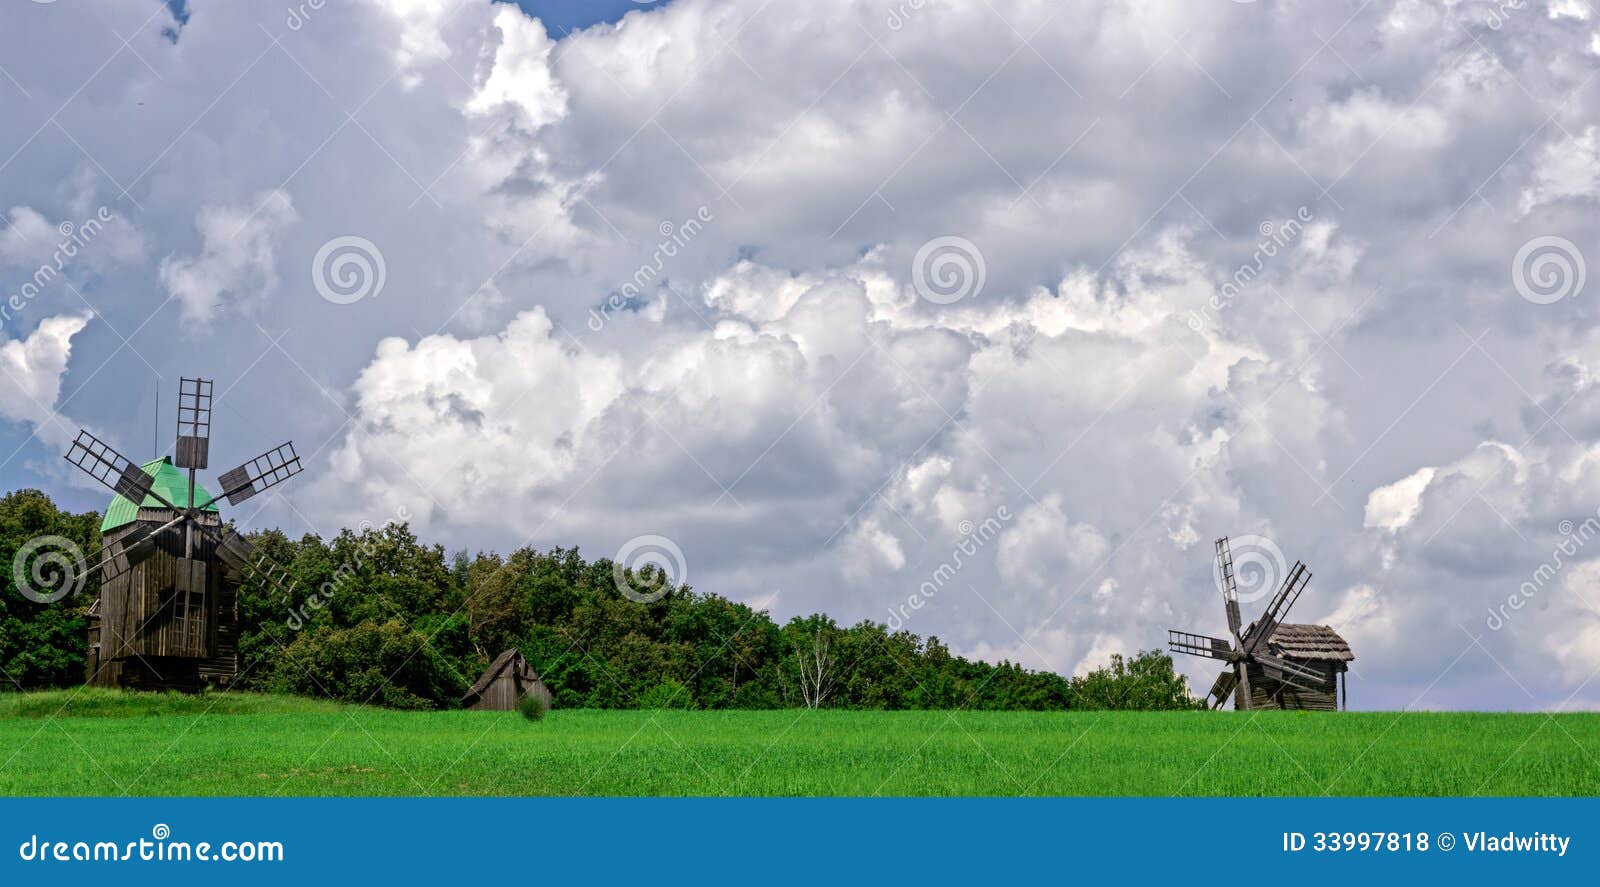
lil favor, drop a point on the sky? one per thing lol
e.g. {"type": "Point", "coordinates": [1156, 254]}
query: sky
{"type": "Point", "coordinates": [980, 319]}
{"type": "Point", "coordinates": [560, 17]}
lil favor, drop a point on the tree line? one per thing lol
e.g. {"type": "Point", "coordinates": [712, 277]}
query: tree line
{"type": "Point", "coordinates": [378, 617]}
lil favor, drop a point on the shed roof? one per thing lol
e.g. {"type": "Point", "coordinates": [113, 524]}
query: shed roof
{"type": "Point", "coordinates": [510, 657]}
{"type": "Point", "coordinates": [1300, 641]}
{"type": "Point", "coordinates": [166, 479]}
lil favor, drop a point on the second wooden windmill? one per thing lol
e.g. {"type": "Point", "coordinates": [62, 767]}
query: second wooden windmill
{"type": "Point", "coordinates": [1271, 663]}
{"type": "Point", "coordinates": [167, 617]}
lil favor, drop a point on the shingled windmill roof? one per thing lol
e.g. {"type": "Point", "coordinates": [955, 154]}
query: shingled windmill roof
{"type": "Point", "coordinates": [1299, 641]}
{"type": "Point", "coordinates": [167, 480]}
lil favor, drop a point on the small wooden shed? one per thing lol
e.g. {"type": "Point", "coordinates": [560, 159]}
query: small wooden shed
{"type": "Point", "coordinates": [508, 679]}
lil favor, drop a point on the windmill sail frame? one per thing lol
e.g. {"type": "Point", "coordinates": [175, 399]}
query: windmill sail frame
{"type": "Point", "coordinates": [1270, 663]}
{"type": "Point", "coordinates": [167, 615]}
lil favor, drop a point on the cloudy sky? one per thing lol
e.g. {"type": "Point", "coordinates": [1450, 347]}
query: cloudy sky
{"type": "Point", "coordinates": [817, 292]}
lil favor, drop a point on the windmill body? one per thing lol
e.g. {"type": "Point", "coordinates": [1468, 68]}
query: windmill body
{"type": "Point", "coordinates": [1271, 663]}
{"type": "Point", "coordinates": [169, 622]}
{"type": "Point", "coordinates": [167, 616]}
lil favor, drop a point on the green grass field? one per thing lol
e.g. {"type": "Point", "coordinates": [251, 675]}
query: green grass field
{"type": "Point", "coordinates": [96, 742]}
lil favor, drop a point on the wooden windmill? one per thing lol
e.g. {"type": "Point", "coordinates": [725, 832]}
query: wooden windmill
{"type": "Point", "coordinates": [1271, 663]}
{"type": "Point", "coordinates": [167, 616]}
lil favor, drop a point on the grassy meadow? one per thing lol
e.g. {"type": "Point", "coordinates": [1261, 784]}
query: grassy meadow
{"type": "Point", "coordinates": [99, 742]}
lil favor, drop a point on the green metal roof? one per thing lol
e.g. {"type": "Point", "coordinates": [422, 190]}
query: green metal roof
{"type": "Point", "coordinates": [169, 480]}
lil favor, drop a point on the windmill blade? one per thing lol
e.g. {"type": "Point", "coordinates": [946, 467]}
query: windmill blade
{"type": "Point", "coordinates": [274, 575]}
{"type": "Point", "coordinates": [242, 557]}
{"type": "Point", "coordinates": [113, 563]}
{"type": "Point", "coordinates": [1245, 702]}
{"type": "Point", "coordinates": [1284, 669]}
{"type": "Point", "coordinates": [1223, 687]}
{"type": "Point", "coordinates": [137, 547]}
{"type": "Point", "coordinates": [194, 424]}
{"type": "Point", "coordinates": [1299, 685]}
{"type": "Point", "coordinates": [1199, 645]}
{"type": "Point", "coordinates": [1289, 593]}
{"type": "Point", "coordinates": [117, 472]}
{"type": "Point", "coordinates": [259, 474]}
{"type": "Point", "coordinates": [233, 548]}
{"type": "Point", "coordinates": [1292, 673]}
{"type": "Point", "coordinates": [1230, 587]}
{"type": "Point", "coordinates": [130, 551]}
{"type": "Point", "coordinates": [1279, 608]}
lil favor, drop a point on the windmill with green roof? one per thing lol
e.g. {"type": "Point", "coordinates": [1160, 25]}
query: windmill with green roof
{"type": "Point", "coordinates": [167, 617]}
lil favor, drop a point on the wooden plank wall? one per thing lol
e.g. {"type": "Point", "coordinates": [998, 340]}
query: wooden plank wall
{"type": "Point", "coordinates": [1267, 693]}
{"type": "Point", "coordinates": [99, 671]}
{"type": "Point", "coordinates": [223, 666]}
{"type": "Point", "coordinates": [505, 691]}
{"type": "Point", "coordinates": [141, 610]}
{"type": "Point", "coordinates": [501, 695]}
{"type": "Point", "coordinates": [138, 619]}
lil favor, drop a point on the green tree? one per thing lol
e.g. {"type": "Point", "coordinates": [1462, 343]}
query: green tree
{"type": "Point", "coordinates": [44, 644]}
{"type": "Point", "coordinates": [373, 663]}
{"type": "Point", "coordinates": [378, 616]}
{"type": "Point", "coordinates": [1146, 682]}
